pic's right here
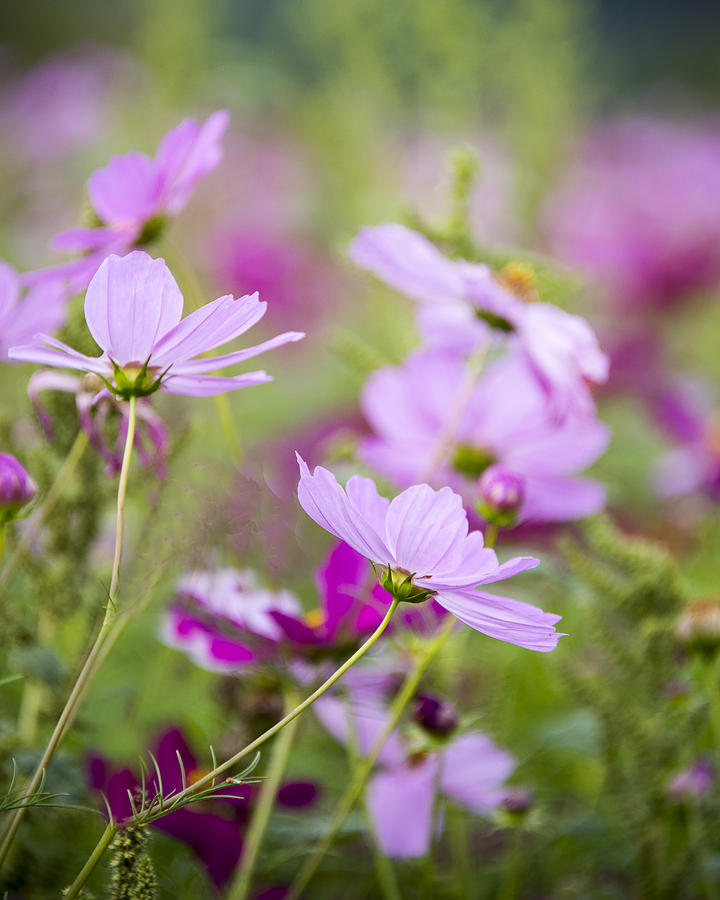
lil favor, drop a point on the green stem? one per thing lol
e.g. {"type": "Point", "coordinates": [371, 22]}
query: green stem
{"type": "Point", "coordinates": [258, 742]}
{"type": "Point", "coordinates": [92, 861]}
{"type": "Point", "coordinates": [3, 533]}
{"type": "Point", "coordinates": [90, 665]}
{"type": "Point", "coordinates": [229, 430]}
{"type": "Point", "coordinates": [356, 786]}
{"type": "Point", "coordinates": [48, 504]}
{"type": "Point", "coordinates": [712, 694]}
{"type": "Point", "coordinates": [508, 889]}
{"type": "Point", "coordinates": [240, 888]}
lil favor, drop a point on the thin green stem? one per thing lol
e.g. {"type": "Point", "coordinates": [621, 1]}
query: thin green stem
{"type": "Point", "coordinates": [90, 665]}
{"type": "Point", "coordinates": [712, 695]}
{"type": "Point", "coordinates": [3, 532]}
{"type": "Point", "coordinates": [509, 886]}
{"type": "Point", "coordinates": [92, 861]}
{"type": "Point", "coordinates": [356, 786]}
{"type": "Point", "coordinates": [229, 429]}
{"type": "Point", "coordinates": [43, 510]}
{"type": "Point", "coordinates": [240, 888]}
{"type": "Point", "coordinates": [209, 779]}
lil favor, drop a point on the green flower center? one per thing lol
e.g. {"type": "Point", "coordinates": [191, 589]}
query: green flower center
{"type": "Point", "coordinates": [471, 460]}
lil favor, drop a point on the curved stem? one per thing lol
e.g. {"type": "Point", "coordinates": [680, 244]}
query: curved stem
{"type": "Point", "coordinates": [364, 769]}
{"type": "Point", "coordinates": [90, 666]}
{"type": "Point", "coordinates": [253, 745]}
{"type": "Point", "coordinates": [48, 504]}
{"type": "Point", "coordinates": [240, 888]}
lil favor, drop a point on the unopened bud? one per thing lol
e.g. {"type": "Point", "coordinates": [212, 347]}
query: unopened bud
{"type": "Point", "coordinates": [502, 494]}
{"type": "Point", "coordinates": [699, 626]}
{"type": "Point", "coordinates": [518, 801]}
{"type": "Point", "coordinates": [17, 488]}
{"type": "Point", "coordinates": [436, 716]}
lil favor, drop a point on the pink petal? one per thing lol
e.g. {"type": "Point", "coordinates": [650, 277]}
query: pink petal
{"type": "Point", "coordinates": [212, 363]}
{"type": "Point", "coordinates": [130, 302]}
{"type": "Point", "coordinates": [126, 190]}
{"type": "Point", "coordinates": [401, 803]}
{"type": "Point", "coordinates": [59, 355]}
{"type": "Point", "coordinates": [209, 385]}
{"type": "Point", "coordinates": [503, 618]}
{"type": "Point", "coordinates": [474, 771]}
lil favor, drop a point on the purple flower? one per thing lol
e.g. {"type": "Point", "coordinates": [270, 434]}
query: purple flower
{"type": "Point", "coordinates": [695, 781]}
{"type": "Point", "coordinates": [42, 308]}
{"type": "Point", "coordinates": [104, 419]}
{"type": "Point", "coordinates": [687, 413]}
{"type": "Point", "coordinates": [214, 834]}
{"type": "Point", "coordinates": [639, 210]}
{"type": "Point", "coordinates": [402, 797]}
{"type": "Point", "coordinates": [17, 488]}
{"type": "Point", "coordinates": [134, 194]}
{"type": "Point", "coordinates": [421, 542]}
{"type": "Point", "coordinates": [505, 423]}
{"type": "Point", "coordinates": [463, 307]}
{"type": "Point", "coordinates": [133, 308]}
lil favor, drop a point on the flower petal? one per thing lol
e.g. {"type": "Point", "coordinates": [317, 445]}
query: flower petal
{"type": "Point", "coordinates": [400, 804]}
{"type": "Point", "coordinates": [474, 771]}
{"type": "Point", "coordinates": [212, 363]}
{"type": "Point", "coordinates": [59, 355]}
{"type": "Point", "coordinates": [131, 302]}
{"type": "Point", "coordinates": [126, 190]}
{"type": "Point", "coordinates": [210, 385]}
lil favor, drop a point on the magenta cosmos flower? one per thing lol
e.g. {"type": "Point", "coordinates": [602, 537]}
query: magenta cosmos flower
{"type": "Point", "coordinates": [463, 307]}
{"type": "Point", "coordinates": [421, 544]}
{"type": "Point", "coordinates": [134, 195]}
{"type": "Point", "coordinates": [505, 424]}
{"type": "Point", "coordinates": [638, 210]}
{"type": "Point", "coordinates": [42, 308]}
{"type": "Point", "coordinates": [133, 308]}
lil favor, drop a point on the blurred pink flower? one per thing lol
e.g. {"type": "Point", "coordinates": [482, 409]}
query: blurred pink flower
{"type": "Point", "coordinates": [505, 422]}
{"type": "Point", "coordinates": [464, 308]}
{"type": "Point", "coordinates": [133, 308]}
{"type": "Point", "coordinates": [638, 210]}
{"type": "Point", "coordinates": [22, 316]}
{"type": "Point", "coordinates": [17, 488]}
{"type": "Point", "coordinates": [133, 195]}
{"type": "Point", "coordinates": [421, 545]}
{"type": "Point", "coordinates": [693, 782]}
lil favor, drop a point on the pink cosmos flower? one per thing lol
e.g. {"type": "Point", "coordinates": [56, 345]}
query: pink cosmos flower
{"type": "Point", "coordinates": [42, 308]}
{"type": "Point", "coordinates": [402, 796]}
{"type": "Point", "coordinates": [134, 194]}
{"type": "Point", "coordinates": [694, 782]}
{"type": "Point", "coordinates": [686, 411]}
{"type": "Point", "coordinates": [17, 488]}
{"type": "Point", "coordinates": [463, 307]}
{"type": "Point", "coordinates": [638, 209]}
{"type": "Point", "coordinates": [133, 308]}
{"type": "Point", "coordinates": [421, 542]}
{"type": "Point", "coordinates": [505, 423]}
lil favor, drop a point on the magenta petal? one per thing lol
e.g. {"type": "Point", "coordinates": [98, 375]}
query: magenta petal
{"type": "Point", "coordinates": [401, 803]}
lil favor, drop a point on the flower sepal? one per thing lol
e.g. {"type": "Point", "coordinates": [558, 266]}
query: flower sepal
{"type": "Point", "coordinates": [134, 380]}
{"type": "Point", "coordinates": [400, 585]}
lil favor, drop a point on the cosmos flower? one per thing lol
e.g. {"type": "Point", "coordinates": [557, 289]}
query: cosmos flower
{"type": "Point", "coordinates": [402, 797]}
{"type": "Point", "coordinates": [42, 308]}
{"type": "Point", "coordinates": [505, 423]}
{"type": "Point", "coordinates": [134, 195]}
{"type": "Point", "coordinates": [629, 211]}
{"type": "Point", "coordinates": [225, 620]}
{"type": "Point", "coordinates": [464, 307]}
{"type": "Point", "coordinates": [694, 782]}
{"type": "Point", "coordinates": [216, 832]}
{"type": "Point", "coordinates": [420, 544]}
{"type": "Point", "coordinates": [686, 412]}
{"type": "Point", "coordinates": [17, 488]}
{"type": "Point", "coordinates": [133, 308]}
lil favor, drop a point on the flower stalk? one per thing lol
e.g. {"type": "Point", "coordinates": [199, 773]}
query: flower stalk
{"type": "Point", "coordinates": [90, 667]}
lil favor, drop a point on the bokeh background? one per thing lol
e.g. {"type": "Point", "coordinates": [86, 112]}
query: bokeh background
{"type": "Point", "coordinates": [343, 114]}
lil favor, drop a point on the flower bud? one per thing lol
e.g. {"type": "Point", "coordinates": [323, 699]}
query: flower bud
{"type": "Point", "coordinates": [17, 488]}
{"type": "Point", "coordinates": [699, 626]}
{"type": "Point", "coordinates": [399, 583]}
{"type": "Point", "coordinates": [436, 716]}
{"type": "Point", "coordinates": [502, 494]}
{"type": "Point", "coordinates": [518, 802]}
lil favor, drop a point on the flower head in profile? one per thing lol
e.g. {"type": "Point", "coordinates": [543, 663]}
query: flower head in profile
{"type": "Point", "coordinates": [504, 431]}
{"type": "Point", "coordinates": [420, 545]}
{"type": "Point", "coordinates": [464, 306]}
{"type": "Point", "coordinates": [135, 194]}
{"type": "Point", "coordinates": [23, 314]}
{"type": "Point", "coordinates": [133, 308]}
